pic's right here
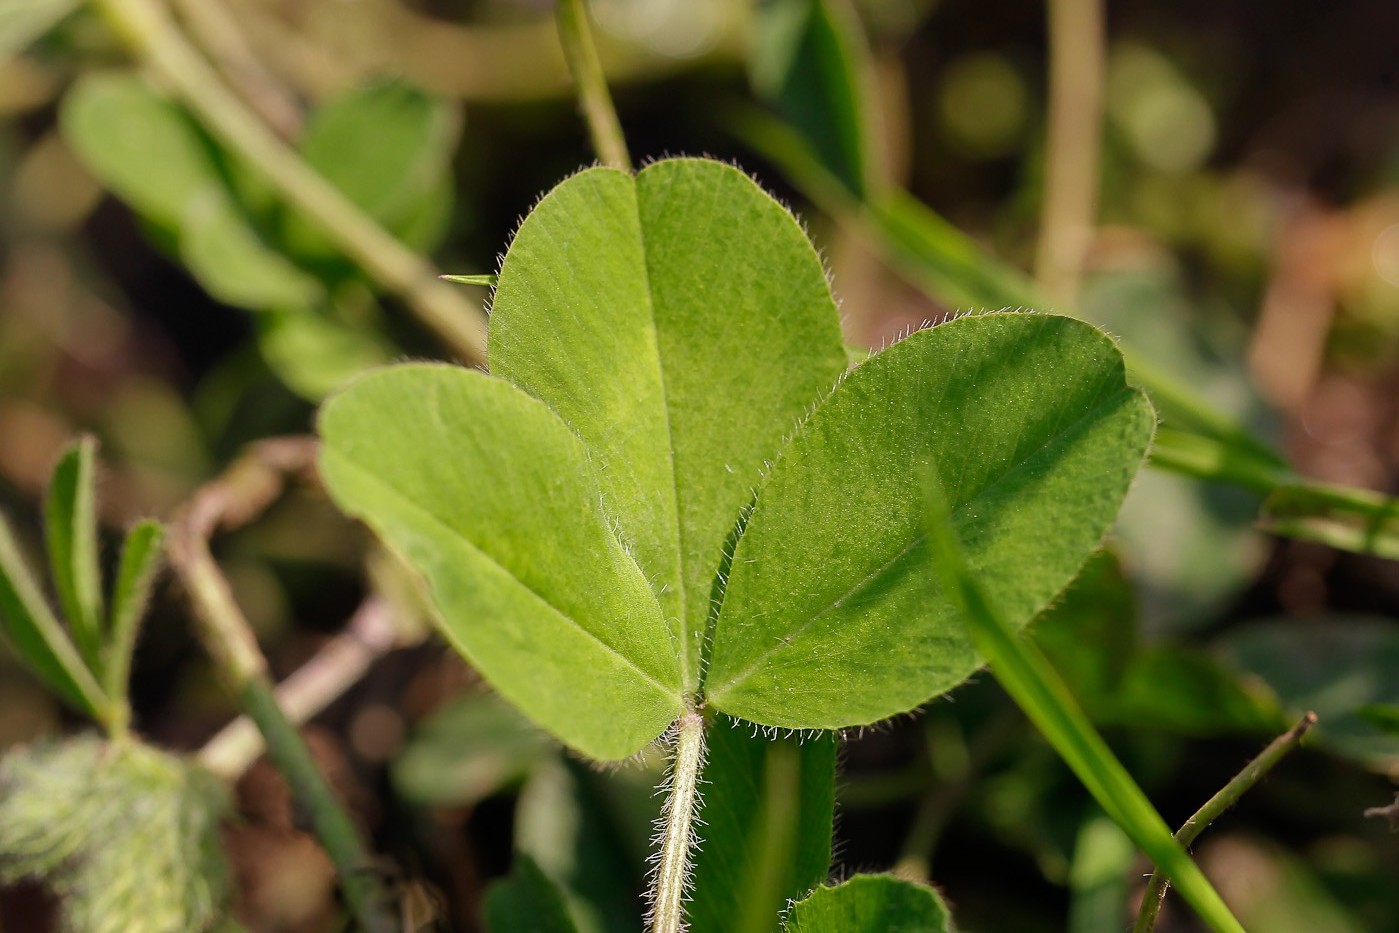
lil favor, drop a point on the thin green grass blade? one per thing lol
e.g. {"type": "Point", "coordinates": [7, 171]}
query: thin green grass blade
{"type": "Point", "coordinates": [37, 637]}
{"type": "Point", "coordinates": [70, 516]}
{"type": "Point", "coordinates": [1038, 690]}
{"type": "Point", "coordinates": [140, 559]}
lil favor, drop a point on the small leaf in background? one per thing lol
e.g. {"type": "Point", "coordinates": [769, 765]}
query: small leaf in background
{"type": "Point", "coordinates": [23, 21]}
{"type": "Point", "coordinates": [141, 145]}
{"type": "Point", "coordinates": [1100, 876]}
{"type": "Point", "coordinates": [870, 904]}
{"type": "Point", "coordinates": [766, 838]}
{"type": "Point", "coordinates": [127, 835]}
{"type": "Point", "coordinates": [70, 519]}
{"type": "Point", "coordinates": [527, 902]}
{"type": "Point", "coordinates": [315, 355]}
{"type": "Point", "coordinates": [1185, 690]}
{"type": "Point", "coordinates": [140, 561]}
{"type": "Point", "coordinates": [1090, 633]}
{"type": "Point", "coordinates": [807, 60]}
{"type": "Point", "coordinates": [1336, 666]}
{"type": "Point", "coordinates": [488, 495]}
{"type": "Point", "coordinates": [687, 305]}
{"type": "Point", "coordinates": [388, 148]}
{"type": "Point", "coordinates": [830, 618]}
{"type": "Point", "coordinates": [38, 639]}
{"type": "Point", "coordinates": [234, 263]}
{"type": "Point", "coordinates": [471, 749]}
{"type": "Point", "coordinates": [591, 838]}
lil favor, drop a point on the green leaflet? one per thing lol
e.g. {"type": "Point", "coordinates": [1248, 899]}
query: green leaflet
{"type": "Point", "coordinates": [830, 618]}
{"type": "Point", "coordinates": [870, 904]}
{"type": "Point", "coordinates": [527, 902]}
{"type": "Point", "coordinates": [70, 518]}
{"type": "Point", "coordinates": [487, 494]}
{"type": "Point", "coordinates": [681, 323]}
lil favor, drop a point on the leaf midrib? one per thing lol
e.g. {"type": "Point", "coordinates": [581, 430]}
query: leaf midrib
{"type": "Point", "coordinates": [432, 519]}
{"type": "Point", "coordinates": [655, 335]}
{"type": "Point", "coordinates": [865, 581]}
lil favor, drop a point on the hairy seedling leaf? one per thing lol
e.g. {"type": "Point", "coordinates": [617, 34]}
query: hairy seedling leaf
{"type": "Point", "coordinates": [830, 618]}
{"type": "Point", "coordinates": [485, 492]}
{"type": "Point", "coordinates": [680, 321]}
{"type": "Point", "coordinates": [870, 904]}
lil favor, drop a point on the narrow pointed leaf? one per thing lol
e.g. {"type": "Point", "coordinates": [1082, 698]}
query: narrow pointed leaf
{"type": "Point", "coordinates": [38, 639]}
{"type": "Point", "coordinates": [491, 498]}
{"type": "Point", "coordinates": [766, 838]}
{"type": "Point", "coordinates": [140, 559]}
{"type": "Point", "coordinates": [870, 904]}
{"type": "Point", "coordinates": [680, 321]}
{"type": "Point", "coordinates": [70, 518]}
{"type": "Point", "coordinates": [830, 619]}
{"type": "Point", "coordinates": [1038, 690]}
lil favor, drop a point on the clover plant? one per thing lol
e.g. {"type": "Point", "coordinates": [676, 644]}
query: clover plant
{"type": "Point", "coordinates": [673, 497]}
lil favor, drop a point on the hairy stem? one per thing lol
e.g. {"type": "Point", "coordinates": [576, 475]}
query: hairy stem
{"type": "Point", "coordinates": [246, 488]}
{"type": "Point", "coordinates": [1221, 801]}
{"type": "Point", "coordinates": [147, 28]}
{"type": "Point", "coordinates": [603, 126]}
{"type": "Point", "coordinates": [677, 827]}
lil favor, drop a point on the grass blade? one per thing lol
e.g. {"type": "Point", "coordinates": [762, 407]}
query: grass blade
{"type": "Point", "coordinates": [70, 517]}
{"type": "Point", "coordinates": [1030, 680]}
{"type": "Point", "coordinates": [37, 637]}
{"type": "Point", "coordinates": [140, 560]}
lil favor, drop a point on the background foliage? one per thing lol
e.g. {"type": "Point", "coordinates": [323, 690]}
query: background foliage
{"type": "Point", "coordinates": [157, 291]}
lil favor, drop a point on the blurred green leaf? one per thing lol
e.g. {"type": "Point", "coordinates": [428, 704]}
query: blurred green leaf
{"type": "Point", "coordinates": [870, 904]}
{"type": "Point", "coordinates": [1383, 716]}
{"type": "Point", "coordinates": [140, 560]}
{"type": "Point", "coordinates": [142, 146]}
{"type": "Point", "coordinates": [1187, 691]}
{"type": "Point", "coordinates": [315, 355]}
{"type": "Point", "coordinates": [36, 635]}
{"type": "Point", "coordinates": [464, 476]}
{"type": "Point", "coordinates": [527, 902]}
{"type": "Point", "coordinates": [223, 250]}
{"type": "Point", "coordinates": [1090, 633]}
{"type": "Point", "coordinates": [766, 834]}
{"type": "Point", "coordinates": [1042, 694]}
{"type": "Point", "coordinates": [806, 58]}
{"type": "Point", "coordinates": [474, 747]}
{"type": "Point", "coordinates": [1099, 877]}
{"type": "Point", "coordinates": [70, 519]}
{"type": "Point", "coordinates": [1335, 666]}
{"type": "Point", "coordinates": [590, 837]}
{"type": "Point", "coordinates": [388, 148]}
{"type": "Point", "coordinates": [23, 21]}
{"type": "Point", "coordinates": [830, 618]}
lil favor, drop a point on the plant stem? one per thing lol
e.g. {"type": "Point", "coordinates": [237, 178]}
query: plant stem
{"type": "Point", "coordinates": [147, 28]}
{"type": "Point", "coordinates": [246, 488]}
{"type": "Point", "coordinates": [1221, 801]}
{"type": "Point", "coordinates": [603, 126]}
{"type": "Point", "coordinates": [677, 827]}
{"type": "Point", "coordinates": [366, 897]}
{"type": "Point", "coordinates": [1076, 66]}
{"type": "Point", "coordinates": [315, 685]}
